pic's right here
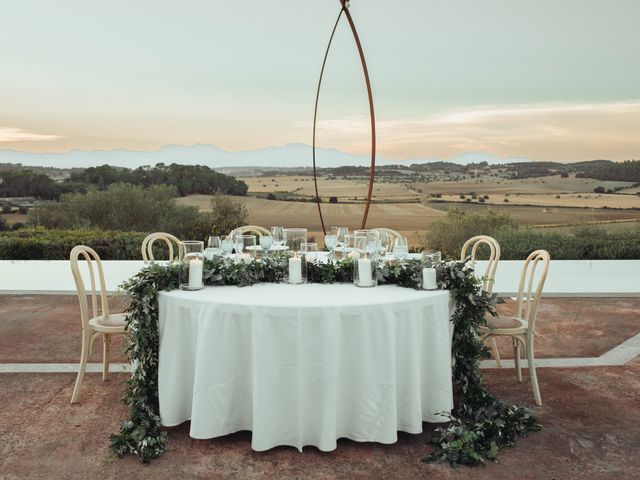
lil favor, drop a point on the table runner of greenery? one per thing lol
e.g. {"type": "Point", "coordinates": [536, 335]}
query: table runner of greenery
{"type": "Point", "coordinates": [480, 424]}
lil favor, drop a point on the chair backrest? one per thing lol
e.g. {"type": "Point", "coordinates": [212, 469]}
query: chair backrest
{"type": "Point", "coordinates": [168, 239]}
{"type": "Point", "coordinates": [94, 263]}
{"type": "Point", "coordinates": [494, 257]}
{"type": "Point", "coordinates": [388, 236]}
{"type": "Point", "coordinates": [528, 293]}
{"type": "Point", "coordinates": [249, 230]}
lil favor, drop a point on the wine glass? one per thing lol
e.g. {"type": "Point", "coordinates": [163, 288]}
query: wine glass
{"type": "Point", "coordinates": [341, 236]}
{"type": "Point", "coordinates": [214, 247]}
{"type": "Point", "coordinates": [238, 243]}
{"type": "Point", "coordinates": [277, 236]}
{"type": "Point", "coordinates": [383, 243]}
{"type": "Point", "coordinates": [330, 241]}
{"type": "Point", "coordinates": [227, 246]}
{"type": "Point", "coordinates": [401, 248]}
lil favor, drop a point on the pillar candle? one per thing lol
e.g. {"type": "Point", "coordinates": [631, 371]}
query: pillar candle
{"type": "Point", "coordinates": [429, 279]}
{"type": "Point", "coordinates": [364, 272]}
{"type": "Point", "coordinates": [195, 273]}
{"type": "Point", "coordinates": [295, 270]}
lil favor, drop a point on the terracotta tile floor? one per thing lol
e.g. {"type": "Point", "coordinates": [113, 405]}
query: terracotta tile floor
{"type": "Point", "coordinates": [591, 416]}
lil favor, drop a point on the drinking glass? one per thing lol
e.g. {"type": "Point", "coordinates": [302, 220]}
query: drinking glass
{"type": "Point", "coordinates": [214, 247]}
{"type": "Point", "coordinates": [350, 246]}
{"type": "Point", "coordinates": [277, 235]}
{"type": "Point", "coordinates": [330, 241]}
{"type": "Point", "coordinates": [384, 240]}
{"type": "Point", "coordinates": [310, 251]}
{"type": "Point", "coordinates": [265, 243]}
{"type": "Point", "coordinates": [227, 246]}
{"type": "Point", "coordinates": [401, 248]}
{"type": "Point", "coordinates": [341, 235]}
{"type": "Point", "coordinates": [372, 242]}
{"type": "Point", "coordinates": [238, 243]}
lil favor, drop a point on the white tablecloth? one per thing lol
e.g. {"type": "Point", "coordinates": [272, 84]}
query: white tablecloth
{"type": "Point", "coordinates": [306, 364]}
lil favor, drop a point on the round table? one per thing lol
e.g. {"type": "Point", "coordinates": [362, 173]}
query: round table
{"type": "Point", "coordinates": [304, 365]}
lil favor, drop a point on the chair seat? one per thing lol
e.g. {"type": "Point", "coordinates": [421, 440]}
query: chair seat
{"type": "Point", "coordinates": [114, 323]}
{"type": "Point", "coordinates": [503, 325]}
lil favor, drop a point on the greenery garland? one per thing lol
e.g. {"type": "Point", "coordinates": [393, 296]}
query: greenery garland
{"type": "Point", "coordinates": [480, 424]}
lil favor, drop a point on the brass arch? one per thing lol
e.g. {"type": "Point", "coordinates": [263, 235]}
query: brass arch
{"type": "Point", "coordinates": [344, 9]}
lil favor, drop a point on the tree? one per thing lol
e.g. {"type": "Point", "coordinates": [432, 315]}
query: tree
{"type": "Point", "coordinates": [3, 224]}
{"type": "Point", "coordinates": [225, 215]}
{"type": "Point", "coordinates": [6, 208]}
{"type": "Point", "coordinates": [271, 196]}
{"type": "Point", "coordinates": [599, 189]}
{"type": "Point", "coordinates": [333, 199]}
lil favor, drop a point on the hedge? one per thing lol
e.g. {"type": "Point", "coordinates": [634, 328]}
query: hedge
{"type": "Point", "coordinates": [42, 244]}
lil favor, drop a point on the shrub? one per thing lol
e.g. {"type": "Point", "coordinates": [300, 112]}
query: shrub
{"type": "Point", "coordinates": [517, 242]}
{"type": "Point", "coordinates": [271, 196]}
{"type": "Point", "coordinates": [6, 208]}
{"type": "Point", "coordinates": [23, 210]}
{"type": "Point", "coordinates": [119, 207]}
{"type": "Point", "coordinates": [333, 199]}
{"type": "Point", "coordinates": [3, 224]}
{"type": "Point", "coordinates": [42, 244]}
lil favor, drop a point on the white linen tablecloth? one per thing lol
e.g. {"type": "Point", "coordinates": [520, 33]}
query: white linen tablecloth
{"type": "Point", "coordinates": [306, 364]}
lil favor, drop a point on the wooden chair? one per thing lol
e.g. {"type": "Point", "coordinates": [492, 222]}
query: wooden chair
{"type": "Point", "coordinates": [521, 327]}
{"type": "Point", "coordinates": [249, 230]}
{"type": "Point", "coordinates": [488, 278]}
{"type": "Point", "coordinates": [389, 231]}
{"type": "Point", "coordinates": [389, 235]}
{"type": "Point", "coordinates": [167, 238]}
{"type": "Point", "coordinates": [98, 323]}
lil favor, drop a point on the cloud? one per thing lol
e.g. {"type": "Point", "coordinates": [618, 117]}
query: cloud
{"type": "Point", "coordinates": [543, 131]}
{"type": "Point", "coordinates": [12, 135]}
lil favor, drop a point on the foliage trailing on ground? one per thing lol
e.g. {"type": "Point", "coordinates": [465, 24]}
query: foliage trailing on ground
{"type": "Point", "coordinates": [480, 424]}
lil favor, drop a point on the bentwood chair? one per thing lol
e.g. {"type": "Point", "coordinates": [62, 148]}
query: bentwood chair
{"type": "Point", "coordinates": [249, 230]}
{"type": "Point", "coordinates": [170, 240]}
{"type": "Point", "coordinates": [521, 327]}
{"type": "Point", "coordinates": [100, 322]}
{"type": "Point", "coordinates": [387, 237]}
{"type": "Point", "coordinates": [488, 279]}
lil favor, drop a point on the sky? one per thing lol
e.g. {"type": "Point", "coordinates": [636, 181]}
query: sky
{"type": "Point", "coordinates": [547, 79]}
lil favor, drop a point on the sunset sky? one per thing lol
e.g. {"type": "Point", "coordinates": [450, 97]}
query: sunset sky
{"type": "Point", "coordinates": [547, 79]}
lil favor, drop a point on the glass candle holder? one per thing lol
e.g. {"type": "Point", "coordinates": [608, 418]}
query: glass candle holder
{"type": "Point", "coordinates": [192, 265]}
{"type": "Point", "coordinates": [430, 260]}
{"type": "Point", "coordinates": [296, 269]}
{"type": "Point", "coordinates": [364, 271]}
{"type": "Point", "coordinates": [294, 238]}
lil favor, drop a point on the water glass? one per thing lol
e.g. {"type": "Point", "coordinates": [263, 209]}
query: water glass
{"type": "Point", "coordinates": [227, 246]}
{"type": "Point", "coordinates": [277, 236]}
{"type": "Point", "coordinates": [341, 235]}
{"type": "Point", "coordinates": [310, 251]}
{"type": "Point", "coordinates": [265, 242]}
{"type": "Point", "coordinates": [401, 248]}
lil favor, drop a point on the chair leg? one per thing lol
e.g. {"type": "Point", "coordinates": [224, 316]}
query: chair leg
{"type": "Point", "coordinates": [496, 353]}
{"type": "Point", "coordinates": [86, 341]}
{"type": "Point", "coordinates": [516, 357]}
{"type": "Point", "coordinates": [532, 370]}
{"type": "Point", "coordinates": [106, 352]}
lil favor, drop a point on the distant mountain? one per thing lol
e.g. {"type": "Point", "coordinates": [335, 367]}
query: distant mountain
{"type": "Point", "coordinates": [291, 155]}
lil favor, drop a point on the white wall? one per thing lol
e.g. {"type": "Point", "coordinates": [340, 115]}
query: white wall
{"type": "Point", "coordinates": [566, 278]}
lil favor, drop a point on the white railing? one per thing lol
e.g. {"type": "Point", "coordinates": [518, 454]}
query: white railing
{"type": "Point", "coordinates": [567, 278]}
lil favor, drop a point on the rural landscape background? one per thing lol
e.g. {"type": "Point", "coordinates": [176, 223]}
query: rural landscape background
{"type": "Point", "coordinates": [514, 120]}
